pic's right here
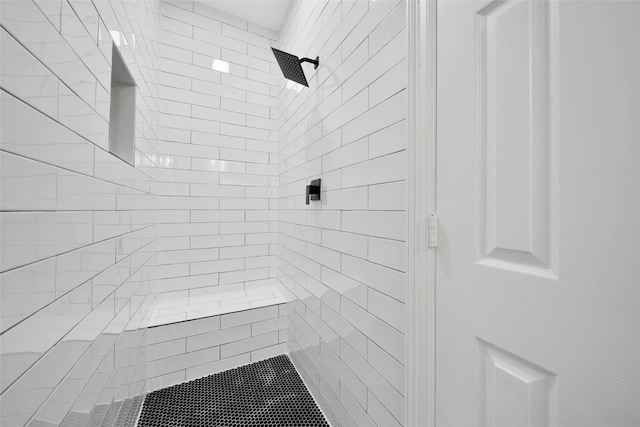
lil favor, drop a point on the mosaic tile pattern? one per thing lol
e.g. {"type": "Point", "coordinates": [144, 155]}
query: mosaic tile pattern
{"type": "Point", "coordinates": [265, 393]}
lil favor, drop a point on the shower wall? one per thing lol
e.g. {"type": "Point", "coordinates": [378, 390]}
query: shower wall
{"type": "Point", "coordinates": [217, 158]}
{"type": "Point", "coordinates": [344, 258]}
{"type": "Point", "coordinates": [78, 224]}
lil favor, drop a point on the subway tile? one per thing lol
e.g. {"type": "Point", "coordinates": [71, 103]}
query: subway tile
{"type": "Point", "coordinates": [349, 243]}
{"type": "Point", "coordinates": [346, 199]}
{"type": "Point", "coordinates": [388, 140]}
{"type": "Point", "coordinates": [249, 316]}
{"type": "Point", "coordinates": [388, 281]}
{"type": "Point", "coordinates": [387, 30]}
{"type": "Point", "coordinates": [347, 155]}
{"type": "Point", "coordinates": [25, 290]}
{"type": "Point", "coordinates": [376, 330]}
{"type": "Point", "coordinates": [51, 9]}
{"type": "Point", "coordinates": [348, 111]}
{"type": "Point", "coordinates": [347, 377]}
{"type": "Point", "coordinates": [244, 251]}
{"type": "Point", "coordinates": [390, 253]}
{"type": "Point", "coordinates": [84, 44]}
{"type": "Point", "coordinates": [390, 83]}
{"type": "Point", "coordinates": [30, 26]}
{"type": "Point", "coordinates": [181, 362]}
{"type": "Point", "coordinates": [218, 338]}
{"type": "Point", "coordinates": [29, 236]}
{"type": "Point", "coordinates": [367, 24]}
{"type": "Point", "coordinates": [244, 275]}
{"type": "Point", "coordinates": [392, 370]}
{"type": "Point", "coordinates": [216, 266]}
{"type": "Point", "coordinates": [386, 224]}
{"type": "Point", "coordinates": [268, 352]}
{"type": "Point", "coordinates": [216, 241]}
{"type": "Point", "coordinates": [78, 116]}
{"type": "Point", "coordinates": [377, 171]}
{"type": "Point", "coordinates": [190, 97]}
{"type": "Point", "coordinates": [248, 344]}
{"type": "Point", "coordinates": [355, 410]}
{"type": "Point", "coordinates": [25, 343]}
{"type": "Point", "coordinates": [217, 366]}
{"type": "Point", "coordinates": [375, 383]}
{"type": "Point", "coordinates": [190, 17]}
{"type": "Point", "coordinates": [26, 78]}
{"type": "Point", "coordinates": [45, 375]}
{"type": "Point", "coordinates": [166, 349]}
{"type": "Point", "coordinates": [343, 285]}
{"type": "Point", "coordinates": [190, 283]}
{"type": "Point", "coordinates": [379, 413]}
{"type": "Point", "coordinates": [389, 196]}
{"type": "Point", "coordinates": [174, 331]}
{"type": "Point", "coordinates": [27, 185]}
{"type": "Point", "coordinates": [265, 326]}
{"type": "Point", "coordinates": [163, 381]}
{"type": "Point", "coordinates": [28, 132]}
{"type": "Point", "coordinates": [387, 309]}
{"type": "Point", "coordinates": [386, 58]}
{"type": "Point", "coordinates": [76, 267]}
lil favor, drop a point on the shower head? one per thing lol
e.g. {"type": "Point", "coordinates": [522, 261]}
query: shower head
{"type": "Point", "coordinates": [291, 68]}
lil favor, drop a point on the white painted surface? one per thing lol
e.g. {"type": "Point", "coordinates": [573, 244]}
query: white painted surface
{"type": "Point", "coordinates": [344, 258]}
{"type": "Point", "coordinates": [77, 223]}
{"type": "Point", "coordinates": [216, 180]}
{"type": "Point", "coordinates": [267, 13]}
{"type": "Point", "coordinates": [538, 203]}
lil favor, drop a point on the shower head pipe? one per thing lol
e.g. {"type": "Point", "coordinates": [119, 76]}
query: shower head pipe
{"type": "Point", "coordinates": [315, 62]}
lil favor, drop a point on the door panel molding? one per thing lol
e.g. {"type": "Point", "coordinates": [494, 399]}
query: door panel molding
{"type": "Point", "coordinates": [516, 168]}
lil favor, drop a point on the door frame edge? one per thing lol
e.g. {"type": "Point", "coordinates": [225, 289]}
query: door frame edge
{"type": "Point", "coordinates": [421, 201]}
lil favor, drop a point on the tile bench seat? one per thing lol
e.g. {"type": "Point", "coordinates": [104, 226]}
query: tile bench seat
{"type": "Point", "coordinates": [193, 337]}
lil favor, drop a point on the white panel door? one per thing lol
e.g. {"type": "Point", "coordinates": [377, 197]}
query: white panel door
{"type": "Point", "coordinates": [538, 200]}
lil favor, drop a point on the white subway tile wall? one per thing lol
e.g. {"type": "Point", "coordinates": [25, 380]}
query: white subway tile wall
{"type": "Point", "coordinates": [92, 247]}
{"type": "Point", "coordinates": [344, 258]}
{"type": "Point", "coordinates": [77, 223]}
{"type": "Point", "coordinates": [192, 349]}
{"type": "Point", "coordinates": [217, 158]}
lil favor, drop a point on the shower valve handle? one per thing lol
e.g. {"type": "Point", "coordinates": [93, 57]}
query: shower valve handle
{"type": "Point", "coordinates": [313, 190]}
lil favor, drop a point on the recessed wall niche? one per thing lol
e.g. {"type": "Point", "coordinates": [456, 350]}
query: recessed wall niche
{"type": "Point", "coordinates": [123, 110]}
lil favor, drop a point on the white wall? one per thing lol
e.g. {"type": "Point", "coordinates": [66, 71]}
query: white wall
{"type": "Point", "coordinates": [224, 158]}
{"type": "Point", "coordinates": [217, 157]}
{"type": "Point", "coordinates": [78, 225]}
{"type": "Point", "coordinates": [344, 258]}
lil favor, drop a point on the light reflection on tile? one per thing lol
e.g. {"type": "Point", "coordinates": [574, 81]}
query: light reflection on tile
{"type": "Point", "coordinates": [27, 342]}
{"type": "Point", "coordinates": [24, 397]}
{"type": "Point", "coordinates": [212, 304]}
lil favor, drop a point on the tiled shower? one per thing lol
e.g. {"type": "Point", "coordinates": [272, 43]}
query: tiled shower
{"type": "Point", "coordinates": [124, 274]}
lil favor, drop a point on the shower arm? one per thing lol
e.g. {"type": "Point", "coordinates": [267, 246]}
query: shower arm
{"type": "Point", "coordinates": [315, 62]}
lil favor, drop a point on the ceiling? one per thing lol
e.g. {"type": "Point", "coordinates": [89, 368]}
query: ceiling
{"type": "Point", "coordinates": [268, 13]}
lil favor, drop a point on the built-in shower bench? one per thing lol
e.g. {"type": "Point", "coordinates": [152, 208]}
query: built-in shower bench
{"type": "Point", "coordinates": [188, 338]}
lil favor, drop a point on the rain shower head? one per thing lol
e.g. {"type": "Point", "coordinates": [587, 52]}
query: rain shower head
{"type": "Point", "coordinates": [291, 68]}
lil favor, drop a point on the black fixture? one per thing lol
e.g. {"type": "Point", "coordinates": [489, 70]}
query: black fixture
{"type": "Point", "coordinates": [291, 68]}
{"type": "Point", "coordinates": [313, 190]}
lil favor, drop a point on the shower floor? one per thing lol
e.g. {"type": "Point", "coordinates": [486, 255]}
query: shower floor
{"type": "Point", "coordinates": [265, 393]}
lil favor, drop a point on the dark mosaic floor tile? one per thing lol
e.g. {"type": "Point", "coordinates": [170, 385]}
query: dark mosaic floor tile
{"type": "Point", "coordinates": [265, 393]}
